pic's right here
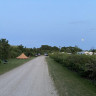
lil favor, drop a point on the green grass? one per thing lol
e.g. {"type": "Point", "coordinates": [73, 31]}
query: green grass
{"type": "Point", "coordinates": [12, 63]}
{"type": "Point", "coordinates": [69, 83]}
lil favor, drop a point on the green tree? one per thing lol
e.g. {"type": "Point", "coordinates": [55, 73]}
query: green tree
{"type": "Point", "coordinates": [21, 48]}
{"type": "Point", "coordinates": [54, 48]}
{"type": "Point", "coordinates": [4, 49]}
{"type": "Point", "coordinates": [71, 49]}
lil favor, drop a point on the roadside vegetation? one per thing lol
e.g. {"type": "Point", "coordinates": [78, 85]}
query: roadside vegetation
{"type": "Point", "coordinates": [84, 65]}
{"type": "Point", "coordinates": [11, 64]}
{"type": "Point", "coordinates": [9, 53]}
{"type": "Point", "coordinates": [68, 82]}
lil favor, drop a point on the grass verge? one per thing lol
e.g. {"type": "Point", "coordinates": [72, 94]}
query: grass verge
{"type": "Point", "coordinates": [69, 83]}
{"type": "Point", "coordinates": [12, 63]}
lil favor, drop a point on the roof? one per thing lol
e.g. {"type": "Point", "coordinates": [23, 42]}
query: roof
{"type": "Point", "coordinates": [22, 56]}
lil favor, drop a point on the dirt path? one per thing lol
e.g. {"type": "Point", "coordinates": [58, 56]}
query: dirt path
{"type": "Point", "coordinates": [30, 79]}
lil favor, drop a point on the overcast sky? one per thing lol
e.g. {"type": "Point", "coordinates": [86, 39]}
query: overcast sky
{"type": "Point", "coordinates": [33, 23]}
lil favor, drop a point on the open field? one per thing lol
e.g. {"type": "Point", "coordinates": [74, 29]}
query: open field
{"type": "Point", "coordinates": [69, 83]}
{"type": "Point", "coordinates": [12, 63]}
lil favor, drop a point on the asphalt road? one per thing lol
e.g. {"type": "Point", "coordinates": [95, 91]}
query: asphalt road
{"type": "Point", "coordinates": [30, 79]}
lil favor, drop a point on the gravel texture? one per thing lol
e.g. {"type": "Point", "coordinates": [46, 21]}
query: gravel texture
{"type": "Point", "coordinates": [30, 79]}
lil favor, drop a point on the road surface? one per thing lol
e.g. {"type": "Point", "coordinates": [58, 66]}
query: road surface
{"type": "Point", "coordinates": [30, 79]}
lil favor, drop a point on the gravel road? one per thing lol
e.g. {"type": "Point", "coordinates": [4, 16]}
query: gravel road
{"type": "Point", "coordinates": [30, 79]}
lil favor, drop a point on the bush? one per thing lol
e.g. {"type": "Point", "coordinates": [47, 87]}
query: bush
{"type": "Point", "coordinates": [85, 65]}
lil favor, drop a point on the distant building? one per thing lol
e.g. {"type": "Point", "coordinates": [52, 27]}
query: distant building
{"type": "Point", "coordinates": [85, 52]}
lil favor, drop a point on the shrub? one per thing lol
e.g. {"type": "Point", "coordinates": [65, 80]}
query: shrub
{"type": "Point", "coordinates": [85, 65]}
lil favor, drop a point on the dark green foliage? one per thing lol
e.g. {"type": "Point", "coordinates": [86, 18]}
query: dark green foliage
{"type": "Point", "coordinates": [17, 50]}
{"type": "Point", "coordinates": [93, 50]}
{"type": "Point", "coordinates": [21, 48]}
{"type": "Point", "coordinates": [45, 47]}
{"type": "Point", "coordinates": [85, 65]}
{"type": "Point", "coordinates": [7, 51]}
{"type": "Point", "coordinates": [14, 51]}
{"type": "Point", "coordinates": [71, 49]}
{"type": "Point", "coordinates": [48, 49]}
{"type": "Point", "coordinates": [4, 49]}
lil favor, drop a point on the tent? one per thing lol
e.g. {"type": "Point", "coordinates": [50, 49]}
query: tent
{"type": "Point", "coordinates": [22, 56]}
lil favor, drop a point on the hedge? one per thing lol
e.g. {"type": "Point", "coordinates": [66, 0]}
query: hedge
{"type": "Point", "coordinates": [85, 65]}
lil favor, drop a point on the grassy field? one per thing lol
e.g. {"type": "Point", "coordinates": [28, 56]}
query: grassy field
{"type": "Point", "coordinates": [12, 63]}
{"type": "Point", "coordinates": [69, 83]}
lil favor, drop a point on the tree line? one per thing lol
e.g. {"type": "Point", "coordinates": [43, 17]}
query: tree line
{"type": "Point", "coordinates": [9, 51]}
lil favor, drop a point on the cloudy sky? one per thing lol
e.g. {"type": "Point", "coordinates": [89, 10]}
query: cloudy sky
{"type": "Point", "coordinates": [52, 22]}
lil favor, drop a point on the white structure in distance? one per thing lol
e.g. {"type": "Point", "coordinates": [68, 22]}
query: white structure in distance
{"type": "Point", "coordinates": [85, 52]}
